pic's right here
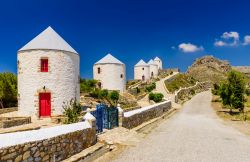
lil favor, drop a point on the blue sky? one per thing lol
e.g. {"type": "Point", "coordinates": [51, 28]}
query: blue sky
{"type": "Point", "coordinates": [174, 30]}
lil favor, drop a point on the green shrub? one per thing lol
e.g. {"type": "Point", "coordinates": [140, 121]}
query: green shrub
{"type": "Point", "coordinates": [87, 86]}
{"type": "Point", "coordinates": [94, 93]}
{"type": "Point", "coordinates": [106, 96]}
{"type": "Point", "coordinates": [156, 97]}
{"type": "Point", "coordinates": [248, 92]}
{"type": "Point", "coordinates": [8, 90]}
{"type": "Point", "coordinates": [103, 94]}
{"type": "Point", "coordinates": [72, 111]}
{"type": "Point", "coordinates": [151, 96]}
{"type": "Point", "coordinates": [114, 96]}
{"type": "Point", "coordinates": [192, 92]}
{"type": "Point", "coordinates": [150, 87]}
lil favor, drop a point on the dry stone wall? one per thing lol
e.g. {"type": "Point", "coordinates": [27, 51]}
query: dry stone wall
{"type": "Point", "coordinates": [52, 149]}
{"type": "Point", "coordinates": [134, 118]}
{"type": "Point", "coordinates": [6, 122]}
{"type": "Point", "coordinates": [186, 93]}
{"type": "Point", "coordinates": [7, 110]}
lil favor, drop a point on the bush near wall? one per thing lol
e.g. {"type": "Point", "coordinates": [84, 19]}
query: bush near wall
{"type": "Point", "coordinates": [156, 97]}
{"type": "Point", "coordinates": [8, 90]}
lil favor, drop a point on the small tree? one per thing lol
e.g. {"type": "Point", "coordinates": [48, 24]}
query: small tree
{"type": "Point", "coordinates": [72, 110]}
{"type": "Point", "coordinates": [87, 86]}
{"type": "Point", "coordinates": [110, 97]}
{"type": "Point", "coordinates": [232, 91]}
{"type": "Point", "coordinates": [114, 97]}
{"type": "Point", "coordinates": [8, 89]}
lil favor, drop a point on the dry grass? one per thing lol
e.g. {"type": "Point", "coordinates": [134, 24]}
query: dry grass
{"type": "Point", "coordinates": [247, 104]}
{"type": "Point", "coordinates": [234, 119]}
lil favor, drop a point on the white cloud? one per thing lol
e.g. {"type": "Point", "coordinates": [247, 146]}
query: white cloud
{"type": "Point", "coordinates": [228, 35]}
{"type": "Point", "coordinates": [246, 40]}
{"type": "Point", "coordinates": [228, 39]}
{"type": "Point", "coordinates": [188, 48]}
{"type": "Point", "coordinates": [219, 43]}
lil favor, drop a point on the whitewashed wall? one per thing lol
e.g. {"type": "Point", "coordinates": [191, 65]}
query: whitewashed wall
{"type": "Point", "coordinates": [153, 68]}
{"type": "Point", "coordinates": [159, 63]}
{"type": "Point", "coordinates": [110, 76]}
{"type": "Point", "coordinates": [62, 80]}
{"type": "Point", "coordinates": [139, 72]}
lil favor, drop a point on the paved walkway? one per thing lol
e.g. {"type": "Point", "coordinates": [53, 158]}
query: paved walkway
{"type": "Point", "coordinates": [193, 135]}
{"type": "Point", "coordinates": [160, 87]}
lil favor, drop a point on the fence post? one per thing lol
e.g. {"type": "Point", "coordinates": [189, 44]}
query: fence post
{"type": "Point", "coordinates": [120, 115]}
{"type": "Point", "coordinates": [91, 119]}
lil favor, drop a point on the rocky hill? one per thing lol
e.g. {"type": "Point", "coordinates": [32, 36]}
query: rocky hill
{"type": "Point", "coordinates": [243, 69]}
{"type": "Point", "coordinates": [209, 68]}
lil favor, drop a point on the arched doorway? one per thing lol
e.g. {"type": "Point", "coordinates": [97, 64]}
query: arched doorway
{"type": "Point", "coordinates": [152, 74]}
{"type": "Point", "coordinates": [143, 78]}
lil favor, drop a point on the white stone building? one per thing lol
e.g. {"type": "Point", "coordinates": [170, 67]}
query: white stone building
{"type": "Point", "coordinates": [158, 61]}
{"type": "Point", "coordinates": [141, 71]}
{"type": "Point", "coordinates": [111, 73]}
{"type": "Point", "coordinates": [153, 69]}
{"type": "Point", "coordinates": [48, 75]}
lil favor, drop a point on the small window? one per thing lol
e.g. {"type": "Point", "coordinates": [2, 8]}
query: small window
{"type": "Point", "coordinates": [99, 70]}
{"type": "Point", "coordinates": [44, 65]}
{"type": "Point", "coordinates": [143, 78]}
{"type": "Point", "coordinates": [121, 76]}
{"type": "Point", "coordinates": [142, 68]}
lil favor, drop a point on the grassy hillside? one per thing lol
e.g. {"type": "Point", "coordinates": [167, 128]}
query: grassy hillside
{"type": "Point", "coordinates": [180, 80]}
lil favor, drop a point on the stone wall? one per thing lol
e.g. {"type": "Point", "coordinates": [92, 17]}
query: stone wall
{"type": "Point", "coordinates": [7, 110]}
{"type": "Point", "coordinates": [6, 122]}
{"type": "Point", "coordinates": [51, 149]}
{"type": "Point", "coordinates": [186, 93]}
{"type": "Point", "coordinates": [134, 118]}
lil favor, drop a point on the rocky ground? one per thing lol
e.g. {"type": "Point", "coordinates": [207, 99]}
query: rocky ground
{"type": "Point", "coordinates": [209, 68]}
{"type": "Point", "coordinates": [194, 134]}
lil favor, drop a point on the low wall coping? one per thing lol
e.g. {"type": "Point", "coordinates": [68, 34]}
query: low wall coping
{"type": "Point", "coordinates": [11, 139]}
{"type": "Point", "coordinates": [137, 111]}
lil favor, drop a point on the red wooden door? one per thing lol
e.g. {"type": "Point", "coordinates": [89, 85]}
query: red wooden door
{"type": "Point", "coordinates": [45, 104]}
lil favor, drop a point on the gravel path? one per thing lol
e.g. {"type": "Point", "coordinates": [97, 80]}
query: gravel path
{"type": "Point", "coordinates": [194, 135]}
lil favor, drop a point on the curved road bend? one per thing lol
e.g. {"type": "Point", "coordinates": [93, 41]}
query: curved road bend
{"type": "Point", "coordinates": [195, 134]}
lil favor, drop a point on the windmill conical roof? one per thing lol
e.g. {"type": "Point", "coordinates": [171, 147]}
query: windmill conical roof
{"type": "Point", "coordinates": [151, 62]}
{"type": "Point", "coordinates": [141, 63]}
{"type": "Point", "coordinates": [48, 39]}
{"type": "Point", "coordinates": [109, 59]}
{"type": "Point", "coordinates": [157, 58]}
